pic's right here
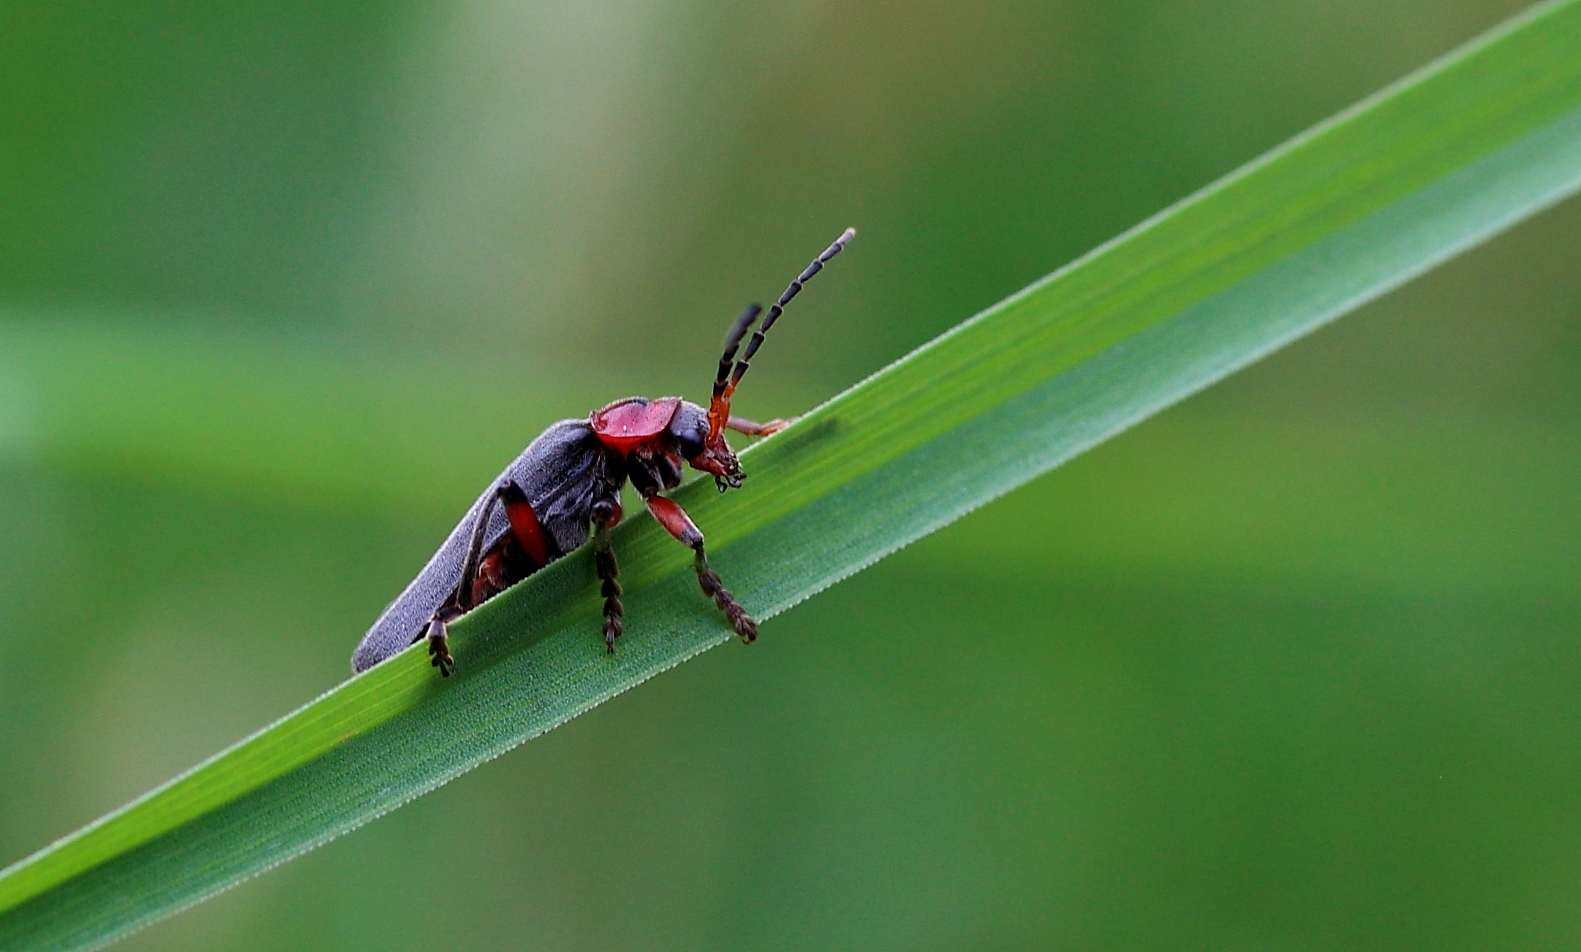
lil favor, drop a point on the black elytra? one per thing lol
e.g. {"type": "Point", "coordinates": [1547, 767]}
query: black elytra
{"type": "Point", "coordinates": [565, 487]}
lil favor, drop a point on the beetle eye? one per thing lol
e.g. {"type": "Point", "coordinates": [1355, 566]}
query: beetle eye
{"type": "Point", "coordinates": [690, 441]}
{"type": "Point", "coordinates": [689, 428]}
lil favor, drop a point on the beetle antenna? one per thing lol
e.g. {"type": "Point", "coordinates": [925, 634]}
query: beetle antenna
{"type": "Point", "coordinates": [719, 408]}
{"type": "Point", "coordinates": [778, 307]}
{"type": "Point", "coordinates": [738, 330]}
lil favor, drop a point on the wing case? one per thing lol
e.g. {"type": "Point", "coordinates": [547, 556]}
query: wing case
{"type": "Point", "coordinates": [562, 472]}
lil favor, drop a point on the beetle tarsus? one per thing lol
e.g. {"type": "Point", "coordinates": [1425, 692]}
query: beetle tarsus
{"type": "Point", "coordinates": [439, 647]}
{"type": "Point", "coordinates": [463, 599]}
{"type": "Point", "coordinates": [608, 569]}
{"type": "Point", "coordinates": [746, 628]}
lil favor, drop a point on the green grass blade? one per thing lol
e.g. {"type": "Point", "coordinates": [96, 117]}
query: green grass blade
{"type": "Point", "coordinates": [1427, 168]}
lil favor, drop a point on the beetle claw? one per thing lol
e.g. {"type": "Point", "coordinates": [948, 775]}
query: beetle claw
{"type": "Point", "coordinates": [439, 655]}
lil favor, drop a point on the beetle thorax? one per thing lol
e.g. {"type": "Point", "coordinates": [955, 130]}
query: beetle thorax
{"type": "Point", "coordinates": [627, 424]}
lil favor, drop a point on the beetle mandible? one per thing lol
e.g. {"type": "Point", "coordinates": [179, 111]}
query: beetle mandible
{"type": "Point", "coordinates": [566, 486]}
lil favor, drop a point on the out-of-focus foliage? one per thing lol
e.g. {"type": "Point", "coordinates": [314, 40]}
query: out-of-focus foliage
{"type": "Point", "coordinates": [1292, 665]}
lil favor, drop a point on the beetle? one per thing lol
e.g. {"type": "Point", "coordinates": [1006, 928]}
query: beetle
{"type": "Point", "coordinates": [565, 487]}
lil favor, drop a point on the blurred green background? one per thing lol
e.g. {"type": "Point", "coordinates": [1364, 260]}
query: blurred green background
{"type": "Point", "coordinates": [282, 284]}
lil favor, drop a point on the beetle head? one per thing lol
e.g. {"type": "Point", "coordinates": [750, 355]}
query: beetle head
{"type": "Point", "coordinates": [720, 460]}
{"type": "Point", "coordinates": [705, 450]}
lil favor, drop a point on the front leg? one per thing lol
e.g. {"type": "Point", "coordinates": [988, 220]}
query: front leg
{"type": "Point", "coordinates": [673, 518]}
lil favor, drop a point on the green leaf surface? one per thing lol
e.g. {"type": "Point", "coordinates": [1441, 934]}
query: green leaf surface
{"type": "Point", "coordinates": [1343, 213]}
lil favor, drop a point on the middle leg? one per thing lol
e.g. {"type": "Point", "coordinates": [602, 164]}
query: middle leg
{"type": "Point", "coordinates": [604, 516]}
{"type": "Point", "coordinates": [673, 518]}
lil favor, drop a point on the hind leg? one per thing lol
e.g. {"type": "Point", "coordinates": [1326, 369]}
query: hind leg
{"type": "Point", "coordinates": [438, 635]}
{"type": "Point", "coordinates": [461, 600]}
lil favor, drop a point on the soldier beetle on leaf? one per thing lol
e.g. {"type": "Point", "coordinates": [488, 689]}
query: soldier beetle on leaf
{"type": "Point", "coordinates": [565, 487]}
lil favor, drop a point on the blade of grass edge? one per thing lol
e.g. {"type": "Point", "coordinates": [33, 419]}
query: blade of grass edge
{"type": "Point", "coordinates": [1431, 166]}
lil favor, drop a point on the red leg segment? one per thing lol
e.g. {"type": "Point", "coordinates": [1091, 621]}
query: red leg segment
{"type": "Point", "coordinates": [675, 520]}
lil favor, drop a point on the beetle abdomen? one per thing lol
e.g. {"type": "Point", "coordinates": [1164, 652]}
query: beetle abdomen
{"type": "Point", "coordinates": [562, 473]}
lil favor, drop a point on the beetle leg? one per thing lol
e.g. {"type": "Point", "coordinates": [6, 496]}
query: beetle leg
{"type": "Point", "coordinates": [606, 514]}
{"type": "Point", "coordinates": [715, 589]}
{"type": "Point", "coordinates": [674, 519]}
{"type": "Point", "coordinates": [469, 565]}
{"type": "Point", "coordinates": [438, 634]}
{"type": "Point", "coordinates": [460, 601]}
{"type": "Point", "coordinates": [743, 425]}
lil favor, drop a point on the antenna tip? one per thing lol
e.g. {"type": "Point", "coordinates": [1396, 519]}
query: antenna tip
{"type": "Point", "coordinates": [847, 235]}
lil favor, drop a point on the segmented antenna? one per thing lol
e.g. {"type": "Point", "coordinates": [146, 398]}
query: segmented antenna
{"type": "Point", "coordinates": [726, 380]}
{"type": "Point", "coordinates": [738, 330]}
{"type": "Point", "coordinates": [775, 310]}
